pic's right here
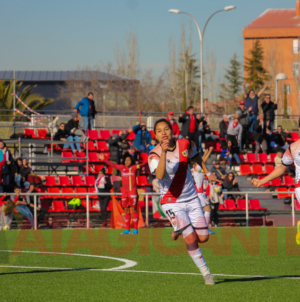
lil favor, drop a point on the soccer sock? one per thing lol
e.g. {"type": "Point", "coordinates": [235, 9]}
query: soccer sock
{"type": "Point", "coordinates": [207, 217]}
{"type": "Point", "coordinates": [198, 258]}
{"type": "Point", "coordinates": [127, 221]}
{"type": "Point", "coordinates": [135, 220]}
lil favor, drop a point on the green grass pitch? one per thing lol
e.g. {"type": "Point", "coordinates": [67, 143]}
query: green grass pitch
{"type": "Point", "coordinates": [236, 259]}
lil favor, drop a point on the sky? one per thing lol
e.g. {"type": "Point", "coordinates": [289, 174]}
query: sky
{"type": "Point", "coordinates": [71, 34]}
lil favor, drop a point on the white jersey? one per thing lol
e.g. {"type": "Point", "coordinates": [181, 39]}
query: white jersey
{"type": "Point", "coordinates": [292, 155]}
{"type": "Point", "coordinates": [198, 177]}
{"type": "Point", "coordinates": [172, 163]}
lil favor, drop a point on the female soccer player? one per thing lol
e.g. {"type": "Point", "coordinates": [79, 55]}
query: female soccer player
{"type": "Point", "coordinates": [129, 189]}
{"type": "Point", "coordinates": [179, 199]}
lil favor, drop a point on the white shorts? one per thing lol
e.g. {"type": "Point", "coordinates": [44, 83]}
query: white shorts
{"type": "Point", "coordinates": [203, 199]}
{"type": "Point", "coordinates": [297, 192]}
{"type": "Point", "coordinates": [183, 214]}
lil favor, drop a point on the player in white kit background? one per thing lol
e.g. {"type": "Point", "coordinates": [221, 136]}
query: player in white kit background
{"type": "Point", "coordinates": [169, 162]}
{"type": "Point", "coordinates": [291, 156]}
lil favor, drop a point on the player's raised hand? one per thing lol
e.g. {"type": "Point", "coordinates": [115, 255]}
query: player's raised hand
{"type": "Point", "coordinates": [212, 178]}
{"type": "Point", "coordinates": [256, 182]}
{"type": "Point", "coordinates": [164, 145]}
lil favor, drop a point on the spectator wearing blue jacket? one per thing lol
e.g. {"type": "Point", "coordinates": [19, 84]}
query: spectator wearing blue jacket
{"type": "Point", "coordinates": [87, 111]}
{"type": "Point", "coordinates": [143, 138]}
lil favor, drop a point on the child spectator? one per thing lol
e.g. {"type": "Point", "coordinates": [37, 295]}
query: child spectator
{"type": "Point", "coordinates": [229, 152]}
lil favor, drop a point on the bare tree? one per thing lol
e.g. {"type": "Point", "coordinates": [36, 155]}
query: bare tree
{"type": "Point", "coordinates": [211, 72]}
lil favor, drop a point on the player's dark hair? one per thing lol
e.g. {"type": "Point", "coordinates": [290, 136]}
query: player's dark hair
{"type": "Point", "coordinates": [128, 155]}
{"type": "Point", "coordinates": [162, 120]}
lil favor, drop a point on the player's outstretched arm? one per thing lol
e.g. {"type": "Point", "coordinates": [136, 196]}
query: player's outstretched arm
{"type": "Point", "coordinates": [207, 154]}
{"type": "Point", "coordinates": [276, 173]}
{"type": "Point", "coordinates": [211, 177]}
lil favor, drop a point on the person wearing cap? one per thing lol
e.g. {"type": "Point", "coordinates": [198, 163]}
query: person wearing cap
{"type": "Point", "coordinates": [244, 115]}
{"type": "Point", "coordinates": [269, 108]}
{"type": "Point", "coordinates": [251, 100]}
{"type": "Point", "coordinates": [103, 185]}
{"type": "Point", "coordinates": [175, 127]}
{"type": "Point", "coordinates": [72, 126]}
{"type": "Point", "coordinates": [235, 130]}
{"type": "Point", "coordinates": [142, 140]}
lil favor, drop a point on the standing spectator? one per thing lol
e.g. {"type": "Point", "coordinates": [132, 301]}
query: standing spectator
{"type": "Point", "coordinates": [103, 185]}
{"type": "Point", "coordinates": [219, 172]}
{"type": "Point", "coordinates": [25, 170]}
{"type": "Point", "coordinates": [6, 169]}
{"type": "Point", "coordinates": [175, 127]}
{"type": "Point", "coordinates": [260, 136]}
{"type": "Point", "coordinates": [235, 130]}
{"type": "Point", "coordinates": [244, 114]}
{"type": "Point", "coordinates": [87, 111]}
{"type": "Point", "coordinates": [190, 125]}
{"type": "Point", "coordinates": [63, 135]}
{"type": "Point", "coordinates": [229, 152]}
{"type": "Point", "coordinates": [143, 137]}
{"type": "Point", "coordinates": [30, 203]}
{"type": "Point", "coordinates": [6, 211]}
{"type": "Point", "coordinates": [72, 127]}
{"type": "Point", "coordinates": [114, 147]}
{"type": "Point", "coordinates": [269, 108]}
{"type": "Point", "coordinates": [223, 126]}
{"type": "Point", "coordinates": [251, 100]}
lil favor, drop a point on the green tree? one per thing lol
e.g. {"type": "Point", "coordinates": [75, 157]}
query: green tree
{"type": "Point", "coordinates": [234, 78]}
{"type": "Point", "coordinates": [32, 100]}
{"type": "Point", "coordinates": [257, 74]}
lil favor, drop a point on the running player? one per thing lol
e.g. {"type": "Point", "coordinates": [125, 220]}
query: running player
{"type": "Point", "coordinates": [179, 199]}
{"type": "Point", "coordinates": [291, 155]}
{"type": "Point", "coordinates": [129, 189]}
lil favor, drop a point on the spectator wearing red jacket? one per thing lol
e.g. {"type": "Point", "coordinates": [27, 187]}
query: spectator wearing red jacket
{"type": "Point", "coordinates": [175, 127]}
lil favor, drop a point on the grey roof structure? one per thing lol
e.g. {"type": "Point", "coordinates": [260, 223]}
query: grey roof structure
{"type": "Point", "coordinates": [59, 76]}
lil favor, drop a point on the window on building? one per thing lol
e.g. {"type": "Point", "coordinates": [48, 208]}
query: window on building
{"type": "Point", "coordinates": [296, 67]}
{"type": "Point", "coordinates": [296, 46]}
{"type": "Point", "coordinates": [288, 89]}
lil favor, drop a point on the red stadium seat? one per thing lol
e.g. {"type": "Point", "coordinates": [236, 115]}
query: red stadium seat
{"type": "Point", "coordinates": [76, 181]}
{"type": "Point", "coordinates": [93, 158]}
{"type": "Point", "coordinates": [41, 133]}
{"type": "Point", "coordinates": [241, 156]}
{"type": "Point", "coordinates": [282, 195]}
{"type": "Point", "coordinates": [93, 134]}
{"type": "Point", "coordinates": [98, 168]}
{"type": "Point", "coordinates": [143, 156]}
{"type": "Point", "coordinates": [218, 148]}
{"type": "Point", "coordinates": [64, 181]}
{"type": "Point", "coordinates": [142, 181]}
{"type": "Point", "coordinates": [272, 157]}
{"type": "Point", "coordinates": [263, 158]}
{"type": "Point", "coordinates": [80, 190]}
{"type": "Point", "coordinates": [255, 205]}
{"type": "Point", "coordinates": [79, 157]}
{"type": "Point", "coordinates": [104, 134]}
{"type": "Point", "coordinates": [91, 146]}
{"type": "Point", "coordinates": [93, 190]}
{"type": "Point", "coordinates": [131, 136]}
{"type": "Point", "coordinates": [221, 207]}
{"type": "Point", "coordinates": [51, 191]}
{"type": "Point", "coordinates": [245, 170]}
{"type": "Point", "coordinates": [276, 182]}
{"type": "Point", "coordinates": [109, 170]}
{"type": "Point", "coordinates": [29, 132]}
{"type": "Point", "coordinates": [297, 205]}
{"type": "Point", "coordinates": [295, 136]}
{"type": "Point", "coordinates": [288, 181]}
{"type": "Point", "coordinates": [292, 190]}
{"type": "Point", "coordinates": [229, 205]}
{"type": "Point", "coordinates": [152, 133]}
{"type": "Point", "coordinates": [102, 146]}
{"type": "Point", "coordinates": [251, 158]}
{"type": "Point", "coordinates": [67, 190]}
{"type": "Point", "coordinates": [269, 169]}
{"type": "Point", "coordinates": [241, 204]}
{"type": "Point", "coordinates": [67, 157]}
{"type": "Point", "coordinates": [89, 181]}
{"type": "Point", "coordinates": [115, 132]}
{"type": "Point", "coordinates": [50, 181]}
{"type": "Point", "coordinates": [257, 169]}
{"type": "Point", "coordinates": [58, 206]}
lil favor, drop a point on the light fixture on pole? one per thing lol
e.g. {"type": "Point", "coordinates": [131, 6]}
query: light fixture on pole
{"type": "Point", "coordinates": [280, 77]}
{"type": "Point", "coordinates": [201, 35]}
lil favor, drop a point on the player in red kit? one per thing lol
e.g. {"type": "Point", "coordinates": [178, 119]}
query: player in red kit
{"type": "Point", "coordinates": [129, 189]}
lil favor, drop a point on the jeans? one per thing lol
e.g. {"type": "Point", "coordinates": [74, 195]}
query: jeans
{"type": "Point", "coordinates": [71, 139]}
{"type": "Point", "coordinates": [252, 120]}
{"type": "Point", "coordinates": [24, 210]}
{"type": "Point", "coordinates": [271, 125]}
{"type": "Point", "coordinates": [88, 122]}
{"type": "Point", "coordinates": [225, 195]}
{"type": "Point", "coordinates": [18, 178]}
{"type": "Point", "coordinates": [229, 158]}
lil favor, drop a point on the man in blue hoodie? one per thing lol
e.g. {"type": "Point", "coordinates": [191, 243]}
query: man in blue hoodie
{"type": "Point", "coordinates": [143, 138]}
{"type": "Point", "coordinates": [87, 111]}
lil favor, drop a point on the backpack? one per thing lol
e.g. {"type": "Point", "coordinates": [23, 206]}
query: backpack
{"type": "Point", "coordinates": [75, 204]}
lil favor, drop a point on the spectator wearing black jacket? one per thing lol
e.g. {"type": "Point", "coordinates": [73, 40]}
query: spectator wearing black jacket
{"type": "Point", "coordinates": [6, 169]}
{"type": "Point", "coordinates": [244, 115]}
{"type": "Point", "coordinates": [260, 136]}
{"type": "Point", "coordinates": [63, 135]}
{"type": "Point", "coordinates": [25, 170]}
{"type": "Point", "coordinates": [269, 108]}
{"type": "Point", "coordinates": [190, 125]}
{"type": "Point", "coordinates": [223, 126]}
{"type": "Point", "coordinates": [280, 139]}
{"type": "Point", "coordinates": [230, 185]}
{"type": "Point", "coordinates": [72, 127]}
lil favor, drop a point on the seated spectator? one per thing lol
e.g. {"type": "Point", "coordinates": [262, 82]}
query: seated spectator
{"type": "Point", "coordinates": [25, 171]}
{"type": "Point", "coordinates": [220, 172]}
{"type": "Point", "coordinates": [230, 185]}
{"type": "Point", "coordinates": [63, 135]}
{"type": "Point", "coordinates": [72, 127]}
{"type": "Point", "coordinates": [235, 130]}
{"type": "Point", "coordinates": [175, 127]}
{"type": "Point", "coordinates": [229, 152]}
{"type": "Point", "coordinates": [6, 169]}
{"type": "Point", "coordinates": [143, 138]}
{"type": "Point", "coordinates": [22, 206]}
{"type": "Point", "coordinates": [260, 134]}
{"type": "Point", "coordinates": [17, 171]}
{"type": "Point", "coordinates": [30, 203]}
{"type": "Point", "coordinates": [279, 138]}
{"type": "Point", "coordinates": [223, 126]}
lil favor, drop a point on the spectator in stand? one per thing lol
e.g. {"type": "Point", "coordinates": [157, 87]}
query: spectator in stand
{"type": "Point", "coordinates": [214, 193]}
{"type": "Point", "coordinates": [22, 206]}
{"type": "Point", "coordinates": [278, 158]}
{"type": "Point", "coordinates": [2, 163]}
{"type": "Point", "coordinates": [229, 153]}
{"type": "Point", "coordinates": [251, 100]}
{"type": "Point", "coordinates": [17, 171]}
{"type": "Point", "coordinates": [235, 130]}
{"type": "Point", "coordinates": [143, 137]}
{"type": "Point", "coordinates": [53, 126]}
{"type": "Point", "coordinates": [30, 203]}
{"type": "Point", "coordinates": [190, 125]}
{"type": "Point", "coordinates": [72, 127]}
{"type": "Point", "coordinates": [153, 144]}
{"type": "Point", "coordinates": [230, 185]}
{"type": "Point", "coordinates": [269, 108]}
{"type": "Point", "coordinates": [244, 115]}
{"type": "Point", "coordinates": [25, 171]}
{"type": "Point", "coordinates": [114, 147]}
{"type": "Point", "coordinates": [63, 135]}
{"type": "Point", "coordinates": [6, 169]}
{"type": "Point", "coordinates": [280, 138]}
{"type": "Point", "coordinates": [223, 126]}
{"type": "Point", "coordinates": [103, 185]}
{"type": "Point", "coordinates": [87, 111]}
{"type": "Point", "coordinates": [6, 210]}
{"type": "Point", "coordinates": [260, 135]}
{"type": "Point", "coordinates": [175, 127]}
{"type": "Point", "coordinates": [220, 172]}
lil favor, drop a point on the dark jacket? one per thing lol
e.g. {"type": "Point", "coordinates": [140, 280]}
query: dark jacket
{"type": "Point", "coordinates": [229, 185]}
{"type": "Point", "coordinates": [84, 105]}
{"type": "Point", "coordinates": [258, 134]}
{"type": "Point", "coordinates": [25, 171]}
{"type": "Point", "coordinates": [185, 121]}
{"type": "Point", "coordinates": [138, 136]}
{"type": "Point", "coordinates": [114, 147]}
{"type": "Point", "coordinates": [223, 129]}
{"type": "Point", "coordinates": [219, 173]}
{"type": "Point", "coordinates": [71, 124]}
{"type": "Point", "coordinates": [281, 138]}
{"type": "Point", "coordinates": [244, 116]}
{"type": "Point", "coordinates": [61, 134]}
{"type": "Point", "coordinates": [269, 111]}
{"type": "Point", "coordinates": [107, 186]}
{"type": "Point", "coordinates": [6, 169]}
